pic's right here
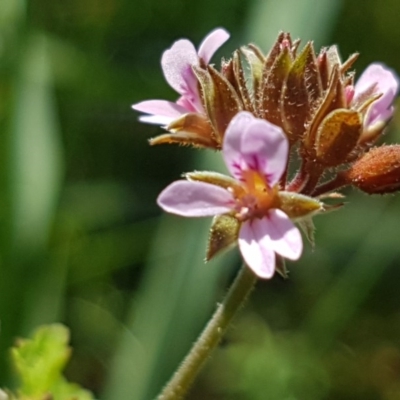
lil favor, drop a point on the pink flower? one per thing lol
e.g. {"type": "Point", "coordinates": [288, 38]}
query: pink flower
{"type": "Point", "coordinates": [255, 152]}
{"type": "Point", "coordinates": [377, 79]}
{"type": "Point", "coordinates": [177, 65]}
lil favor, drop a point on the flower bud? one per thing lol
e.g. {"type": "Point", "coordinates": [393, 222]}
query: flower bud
{"type": "Point", "coordinates": [376, 172]}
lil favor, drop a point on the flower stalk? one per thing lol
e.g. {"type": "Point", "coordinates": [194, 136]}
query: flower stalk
{"type": "Point", "coordinates": [183, 378]}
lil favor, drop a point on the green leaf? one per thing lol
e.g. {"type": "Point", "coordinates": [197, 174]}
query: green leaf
{"type": "Point", "coordinates": [39, 363]}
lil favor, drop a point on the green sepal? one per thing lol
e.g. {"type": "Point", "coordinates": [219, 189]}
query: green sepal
{"type": "Point", "coordinates": [223, 235]}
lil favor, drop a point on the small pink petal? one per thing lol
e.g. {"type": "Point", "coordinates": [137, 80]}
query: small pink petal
{"type": "Point", "coordinates": [232, 146]}
{"type": "Point", "coordinates": [211, 43]}
{"type": "Point", "coordinates": [185, 102]}
{"type": "Point", "coordinates": [254, 144]}
{"type": "Point", "coordinates": [160, 107]}
{"type": "Point", "coordinates": [386, 82]}
{"type": "Point", "coordinates": [285, 237]}
{"type": "Point", "coordinates": [265, 149]}
{"type": "Point", "coordinates": [195, 199]}
{"type": "Point", "coordinates": [177, 65]}
{"type": "Point", "coordinates": [255, 247]}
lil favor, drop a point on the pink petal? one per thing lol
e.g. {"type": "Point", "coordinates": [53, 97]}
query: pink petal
{"type": "Point", "coordinates": [176, 64]}
{"type": "Point", "coordinates": [255, 144]}
{"type": "Point", "coordinates": [386, 82]}
{"type": "Point", "coordinates": [211, 43]}
{"type": "Point", "coordinates": [255, 247]}
{"type": "Point", "coordinates": [285, 237]}
{"type": "Point", "coordinates": [265, 149]}
{"type": "Point", "coordinates": [195, 199]}
{"type": "Point", "coordinates": [160, 107]}
{"type": "Point", "coordinates": [231, 149]}
{"type": "Point", "coordinates": [191, 106]}
{"type": "Point", "coordinates": [156, 119]}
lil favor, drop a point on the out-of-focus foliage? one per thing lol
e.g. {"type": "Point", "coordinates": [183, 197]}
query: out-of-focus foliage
{"type": "Point", "coordinates": [39, 363]}
{"type": "Point", "coordinates": [82, 241]}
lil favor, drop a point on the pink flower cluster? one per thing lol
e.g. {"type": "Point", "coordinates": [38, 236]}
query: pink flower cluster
{"type": "Point", "coordinates": [255, 152]}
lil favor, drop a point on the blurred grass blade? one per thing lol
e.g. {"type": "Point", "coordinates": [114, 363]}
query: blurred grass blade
{"type": "Point", "coordinates": [306, 19]}
{"type": "Point", "coordinates": [35, 159]}
{"type": "Point", "coordinates": [176, 298]}
{"type": "Point", "coordinates": [337, 307]}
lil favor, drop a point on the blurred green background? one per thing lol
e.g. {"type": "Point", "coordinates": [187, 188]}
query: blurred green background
{"type": "Point", "coordinates": [83, 242]}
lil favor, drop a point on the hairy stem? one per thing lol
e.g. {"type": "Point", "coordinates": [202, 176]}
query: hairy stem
{"type": "Point", "coordinates": [334, 184]}
{"type": "Point", "coordinates": [299, 181]}
{"type": "Point", "coordinates": [183, 378]}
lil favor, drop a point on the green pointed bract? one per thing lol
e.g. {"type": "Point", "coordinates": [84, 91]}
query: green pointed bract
{"type": "Point", "coordinates": [298, 206]}
{"type": "Point", "coordinates": [337, 136]}
{"type": "Point", "coordinates": [271, 90]}
{"type": "Point", "coordinates": [255, 59]}
{"type": "Point", "coordinates": [308, 228]}
{"type": "Point", "coordinates": [280, 266]}
{"type": "Point", "coordinates": [223, 235]}
{"type": "Point", "coordinates": [214, 178]}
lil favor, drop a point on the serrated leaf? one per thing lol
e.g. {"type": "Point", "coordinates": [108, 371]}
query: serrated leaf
{"type": "Point", "coordinates": [39, 363]}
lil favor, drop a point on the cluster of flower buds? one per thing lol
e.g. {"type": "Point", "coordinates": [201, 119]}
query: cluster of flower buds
{"type": "Point", "coordinates": [295, 104]}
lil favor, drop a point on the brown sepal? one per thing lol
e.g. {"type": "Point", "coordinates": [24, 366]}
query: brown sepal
{"type": "Point", "coordinates": [337, 136]}
{"type": "Point", "coordinates": [301, 89]}
{"type": "Point", "coordinates": [348, 63]}
{"type": "Point", "coordinates": [241, 86]}
{"type": "Point", "coordinates": [190, 129]}
{"type": "Point", "coordinates": [376, 172]}
{"type": "Point", "coordinates": [322, 110]}
{"type": "Point", "coordinates": [271, 90]}
{"type": "Point", "coordinates": [220, 99]}
{"type": "Point", "coordinates": [322, 62]}
{"type": "Point", "coordinates": [277, 49]}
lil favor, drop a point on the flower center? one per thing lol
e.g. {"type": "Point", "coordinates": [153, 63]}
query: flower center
{"type": "Point", "coordinates": [257, 197]}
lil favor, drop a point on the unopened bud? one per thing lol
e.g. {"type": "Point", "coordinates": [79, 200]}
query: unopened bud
{"type": "Point", "coordinates": [376, 172]}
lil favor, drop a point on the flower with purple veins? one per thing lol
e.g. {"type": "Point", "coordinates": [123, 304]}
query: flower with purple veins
{"type": "Point", "coordinates": [255, 152]}
{"type": "Point", "coordinates": [177, 65]}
